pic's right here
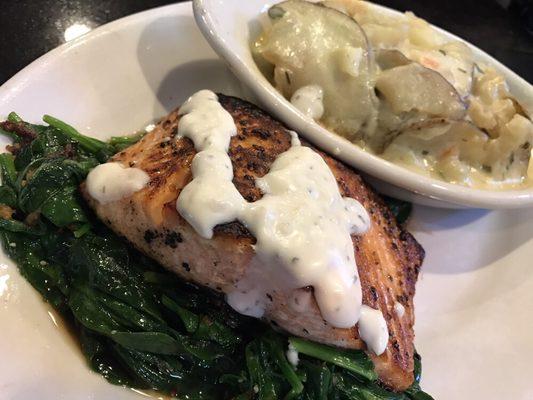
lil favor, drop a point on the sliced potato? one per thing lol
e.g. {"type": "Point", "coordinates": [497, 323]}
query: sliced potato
{"type": "Point", "coordinates": [311, 44]}
{"type": "Point", "coordinates": [391, 58]}
{"type": "Point", "coordinates": [460, 152]}
{"type": "Point", "coordinates": [381, 28]}
{"type": "Point", "coordinates": [491, 104]}
{"type": "Point", "coordinates": [509, 154]}
{"type": "Point", "coordinates": [391, 123]}
{"type": "Point", "coordinates": [445, 149]}
{"type": "Point", "coordinates": [457, 66]}
{"type": "Point", "coordinates": [416, 39]}
{"type": "Point", "coordinates": [424, 82]}
{"type": "Point", "coordinates": [439, 136]}
{"type": "Point", "coordinates": [414, 87]}
{"type": "Point", "coordinates": [393, 119]}
{"type": "Point", "coordinates": [422, 34]}
{"type": "Point", "coordinates": [520, 109]}
{"type": "Point", "coordinates": [452, 60]}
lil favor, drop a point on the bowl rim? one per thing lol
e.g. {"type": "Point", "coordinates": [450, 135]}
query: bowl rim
{"type": "Point", "coordinates": [340, 147]}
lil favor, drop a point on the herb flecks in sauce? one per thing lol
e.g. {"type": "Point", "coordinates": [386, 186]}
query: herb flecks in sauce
{"type": "Point", "coordinates": [306, 238]}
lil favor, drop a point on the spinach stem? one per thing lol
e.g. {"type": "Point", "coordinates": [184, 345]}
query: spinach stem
{"type": "Point", "coordinates": [296, 384]}
{"type": "Point", "coordinates": [14, 117]}
{"type": "Point", "coordinates": [335, 356]}
{"type": "Point", "coordinates": [90, 144]}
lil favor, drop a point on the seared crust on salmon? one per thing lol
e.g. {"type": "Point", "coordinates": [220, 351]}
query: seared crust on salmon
{"type": "Point", "coordinates": [388, 258]}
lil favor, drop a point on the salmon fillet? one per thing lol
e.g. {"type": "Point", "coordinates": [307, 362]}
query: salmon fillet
{"type": "Point", "coordinates": [388, 258]}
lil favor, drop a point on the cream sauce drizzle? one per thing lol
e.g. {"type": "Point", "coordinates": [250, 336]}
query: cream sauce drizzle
{"type": "Point", "coordinates": [302, 224]}
{"type": "Point", "coordinates": [373, 329]}
{"type": "Point", "coordinates": [292, 355]}
{"type": "Point", "coordinates": [210, 198]}
{"type": "Point", "coordinates": [112, 181]}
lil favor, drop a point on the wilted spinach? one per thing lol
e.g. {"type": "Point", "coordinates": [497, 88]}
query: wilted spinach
{"type": "Point", "coordinates": [399, 208]}
{"type": "Point", "coordinates": [138, 325]}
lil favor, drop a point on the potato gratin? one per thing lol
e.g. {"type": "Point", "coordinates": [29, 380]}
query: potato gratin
{"type": "Point", "coordinates": [398, 88]}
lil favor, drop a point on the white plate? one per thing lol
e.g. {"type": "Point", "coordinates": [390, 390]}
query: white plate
{"type": "Point", "coordinates": [475, 296]}
{"type": "Point", "coordinates": [231, 26]}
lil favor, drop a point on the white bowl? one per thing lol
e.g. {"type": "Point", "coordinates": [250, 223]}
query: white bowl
{"type": "Point", "coordinates": [230, 26]}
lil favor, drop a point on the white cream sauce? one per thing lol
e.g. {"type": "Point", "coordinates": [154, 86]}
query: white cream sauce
{"type": "Point", "coordinates": [309, 100]}
{"type": "Point", "coordinates": [302, 224]}
{"type": "Point", "coordinates": [210, 198]}
{"type": "Point", "coordinates": [112, 181]}
{"type": "Point", "coordinates": [373, 329]}
{"type": "Point", "coordinates": [292, 355]}
{"type": "Point", "coordinates": [399, 309]}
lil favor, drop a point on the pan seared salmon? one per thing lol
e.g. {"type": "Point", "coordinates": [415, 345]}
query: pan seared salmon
{"type": "Point", "coordinates": [388, 258]}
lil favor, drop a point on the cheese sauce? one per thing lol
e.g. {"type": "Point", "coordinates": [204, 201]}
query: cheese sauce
{"type": "Point", "coordinates": [302, 224]}
{"type": "Point", "coordinates": [309, 100]}
{"type": "Point", "coordinates": [112, 181]}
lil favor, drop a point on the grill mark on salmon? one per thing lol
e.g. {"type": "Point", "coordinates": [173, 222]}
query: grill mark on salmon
{"type": "Point", "coordinates": [388, 257]}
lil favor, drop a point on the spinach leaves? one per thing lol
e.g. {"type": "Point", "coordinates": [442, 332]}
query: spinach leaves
{"type": "Point", "coordinates": [399, 208]}
{"type": "Point", "coordinates": [139, 325]}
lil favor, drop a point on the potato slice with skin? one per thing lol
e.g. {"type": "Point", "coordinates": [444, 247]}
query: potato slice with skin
{"type": "Point", "coordinates": [441, 148]}
{"type": "Point", "coordinates": [416, 39]}
{"type": "Point", "coordinates": [311, 44]}
{"type": "Point", "coordinates": [441, 134]}
{"type": "Point", "coordinates": [452, 60]}
{"type": "Point", "coordinates": [461, 72]}
{"type": "Point", "coordinates": [391, 58]}
{"type": "Point", "coordinates": [509, 154]}
{"type": "Point", "coordinates": [460, 152]}
{"type": "Point", "coordinates": [414, 87]}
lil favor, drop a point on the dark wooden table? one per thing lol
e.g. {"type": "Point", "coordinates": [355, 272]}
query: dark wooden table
{"type": "Point", "coordinates": [30, 28]}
